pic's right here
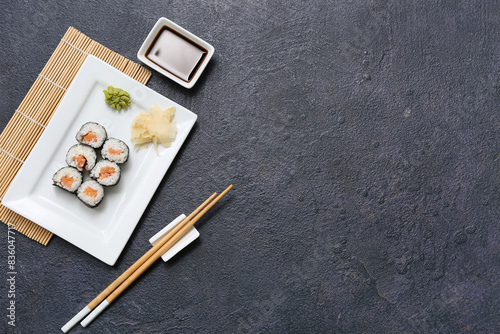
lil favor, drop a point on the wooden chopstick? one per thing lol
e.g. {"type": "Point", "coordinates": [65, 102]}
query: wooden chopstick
{"type": "Point", "coordinates": [108, 295]}
{"type": "Point", "coordinates": [122, 287]}
{"type": "Point", "coordinates": [163, 249]}
{"type": "Point", "coordinates": [97, 300]}
{"type": "Point", "coordinates": [146, 256]}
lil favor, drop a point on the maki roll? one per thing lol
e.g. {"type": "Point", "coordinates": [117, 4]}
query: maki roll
{"type": "Point", "coordinates": [91, 193]}
{"type": "Point", "coordinates": [81, 157]}
{"type": "Point", "coordinates": [92, 134]}
{"type": "Point", "coordinates": [67, 178]}
{"type": "Point", "coordinates": [115, 150]}
{"type": "Point", "coordinates": [106, 173]}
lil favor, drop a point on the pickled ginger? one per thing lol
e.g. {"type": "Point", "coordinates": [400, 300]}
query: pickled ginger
{"type": "Point", "coordinates": [154, 126]}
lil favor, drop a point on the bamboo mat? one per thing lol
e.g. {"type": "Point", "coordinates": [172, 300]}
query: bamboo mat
{"type": "Point", "coordinates": [37, 107]}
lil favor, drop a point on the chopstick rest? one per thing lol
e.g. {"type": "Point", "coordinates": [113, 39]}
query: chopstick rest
{"type": "Point", "coordinates": [191, 235]}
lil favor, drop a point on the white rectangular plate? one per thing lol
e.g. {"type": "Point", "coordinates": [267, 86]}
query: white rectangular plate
{"type": "Point", "coordinates": [102, 231]}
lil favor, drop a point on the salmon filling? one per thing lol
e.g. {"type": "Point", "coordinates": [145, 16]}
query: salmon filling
{"type": "Point", "coordinates": [67, 181]}
{"type": "Point", "coordinates": [91, 192]}
{"type": "Point", "coordinates": [90, 137]}
{"type": "Point", "coordinates": [114, 152]}
{"type": "Point", "coordinates": [79, 160]}
{"type": "Point", "coordinates": [106, 172]}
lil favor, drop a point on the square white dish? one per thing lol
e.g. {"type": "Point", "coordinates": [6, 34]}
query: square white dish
{"type": "Point", "coordinates": [102, 231]}
{"type": "Point", "coordinates": [161, 24]}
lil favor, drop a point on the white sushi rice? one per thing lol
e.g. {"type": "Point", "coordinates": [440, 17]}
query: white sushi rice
{"type": "Point", "coordinates": [113, 145]}
{"type": "Point", "coordinates": [111, 180]}
{"type": "Point", "coordinates": [83, 150]}
{"type": "Point", "coordinates": [67, 172]}
{"type": "Point", "coordinates": [97, 129]}
{"type": "Point", "coordinates": [90, 200]}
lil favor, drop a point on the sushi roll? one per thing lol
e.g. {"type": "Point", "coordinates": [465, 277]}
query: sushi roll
{"type": "Point", "coordinates": [81, 157]}
{"type": "Point", "coordinates": [106, 173]}
{"type": "Point", "coordinates": [91, 193]}
{"type": "Point", "coordinates": [115, 150]}
{"type": "Point", "coordinates": [67, 178]}
{"type": "Point", "coordinates": [92, 134]}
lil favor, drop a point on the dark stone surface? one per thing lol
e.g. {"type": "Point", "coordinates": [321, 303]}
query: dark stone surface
{"type": "Point", "coordinates": [362, 140]}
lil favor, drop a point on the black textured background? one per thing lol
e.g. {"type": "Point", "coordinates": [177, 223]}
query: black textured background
{"type": "Point", "coordinates": [362, 140]}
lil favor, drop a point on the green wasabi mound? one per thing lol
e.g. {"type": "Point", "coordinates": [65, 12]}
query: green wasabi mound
{"type": "Point", "coordinates": [117, 98]}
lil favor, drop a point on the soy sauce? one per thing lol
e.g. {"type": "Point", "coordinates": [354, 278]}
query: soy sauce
{"type": "Point", "coordinates": [176, 54]}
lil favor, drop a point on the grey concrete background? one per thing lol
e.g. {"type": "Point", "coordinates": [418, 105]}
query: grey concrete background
{"type": "Point", "coordinates": [362, 140]}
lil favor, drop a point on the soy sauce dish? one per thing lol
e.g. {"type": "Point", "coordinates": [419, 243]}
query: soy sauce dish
{"type": "Point", "coordinates": [175, 52]}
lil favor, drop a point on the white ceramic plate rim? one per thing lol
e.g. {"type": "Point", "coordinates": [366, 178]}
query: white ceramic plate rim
{"type": "Point", "coordinates": [141, 54]}
{"type": "Point", "coordinates": [26, 195]}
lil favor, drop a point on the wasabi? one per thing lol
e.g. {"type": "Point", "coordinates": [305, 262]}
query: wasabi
{"type": "Point", "coordinates": [117, 98]}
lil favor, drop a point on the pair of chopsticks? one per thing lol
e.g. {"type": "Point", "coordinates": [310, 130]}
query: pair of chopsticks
{"type": "Point", "coordinates": [108, 295]}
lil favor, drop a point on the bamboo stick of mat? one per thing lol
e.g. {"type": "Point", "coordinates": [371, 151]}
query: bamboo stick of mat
{"type": "Point", "coordinates": [108, 295]}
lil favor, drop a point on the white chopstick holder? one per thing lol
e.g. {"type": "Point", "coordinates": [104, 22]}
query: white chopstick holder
{"type": "Point", "coordinates": [191, 235]}
{"type": "Point", "coordinates": [76, 319]}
